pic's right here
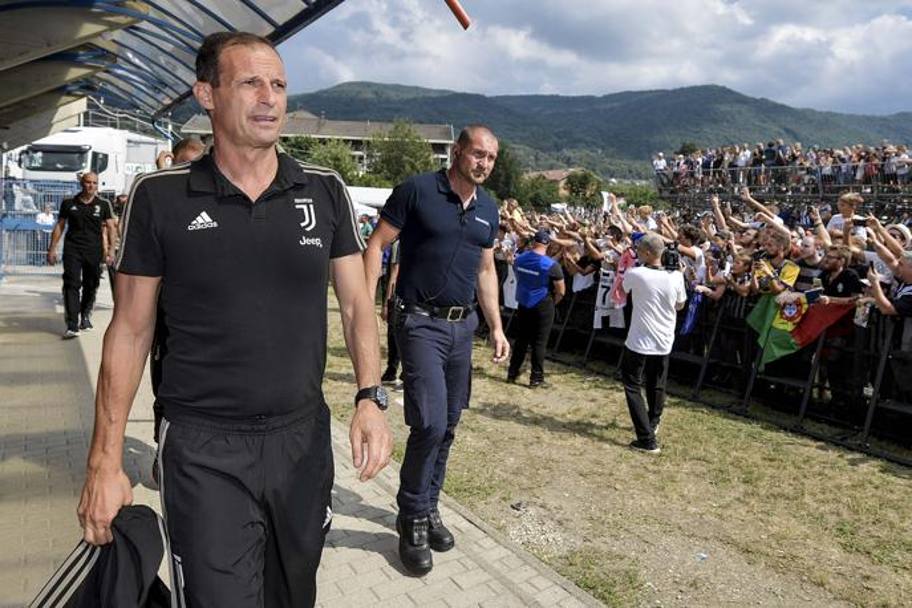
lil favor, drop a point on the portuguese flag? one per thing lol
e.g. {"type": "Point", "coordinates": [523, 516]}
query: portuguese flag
{"type": "Point", "coordinates": [786, 323]}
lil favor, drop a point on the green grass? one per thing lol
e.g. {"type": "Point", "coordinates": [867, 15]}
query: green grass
{"type": "Point", "coordinates": [784, 506]}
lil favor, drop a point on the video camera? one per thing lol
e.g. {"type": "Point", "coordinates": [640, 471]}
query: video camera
{"type": "Point", "coordinates": [671, 257]}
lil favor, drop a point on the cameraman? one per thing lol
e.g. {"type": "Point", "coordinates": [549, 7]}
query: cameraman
{"type": "Point", "coordinates": [657, 296]}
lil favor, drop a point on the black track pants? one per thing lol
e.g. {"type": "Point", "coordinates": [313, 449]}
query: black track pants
{"type": "Point", "coordinates": [247, 510]}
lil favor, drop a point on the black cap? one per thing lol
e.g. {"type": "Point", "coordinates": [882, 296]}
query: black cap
{"type": "Point", "coordinates": [542, 236]}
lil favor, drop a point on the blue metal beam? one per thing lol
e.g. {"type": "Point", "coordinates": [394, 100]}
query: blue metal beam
{"type": "Point", "coordinates": [141, 34]}
{"type": "Point", "coordinates": [212, 15]}
{"type": "Point", "coordinates": [261, 13]}
{"type": "Point", "coordinates": [164, 69]}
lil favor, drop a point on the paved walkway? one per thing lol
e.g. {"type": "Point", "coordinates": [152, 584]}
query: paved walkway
{"type": "Point", "coordinates": [46, 413]}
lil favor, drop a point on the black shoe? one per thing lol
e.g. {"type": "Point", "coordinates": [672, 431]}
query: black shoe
{"type": "Point", "coordinates": [414, 550]}
{"type": "Point", "coordinates": [642, 446]}
{"type": "Point", "coordinates": [538, 383]}
{"type": "Point", "coordinates": [439, 537]}
{"type": "Point", "coordinates": [511, 378]}
{"type": "Point", "coordinates": [389, 376]}
{"type": "Point", "coordinates": [86, 324]}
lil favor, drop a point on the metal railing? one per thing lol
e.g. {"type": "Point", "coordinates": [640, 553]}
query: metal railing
{"type": "Point", "coordinates": [791, 181]}
{"type": "Point", "coordinates": [24, 244]}
{"type": "Point", "coordinates": [859, 383]}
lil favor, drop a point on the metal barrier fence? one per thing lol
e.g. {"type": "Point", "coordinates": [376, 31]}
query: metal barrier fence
{"type": "Point", "coordinates": [24, 240]}
{"type": "Point", "coordinates": [24, 244]}
{"type": "Point", "coordinates": [797, 181]}
{"type": "Point", "coordinates": [33, 196]}
{"type": "Point", "coordinates": [856, 380]}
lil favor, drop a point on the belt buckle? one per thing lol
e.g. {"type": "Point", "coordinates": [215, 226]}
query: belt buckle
{"type": "Point", "coordinates": [458, 310]}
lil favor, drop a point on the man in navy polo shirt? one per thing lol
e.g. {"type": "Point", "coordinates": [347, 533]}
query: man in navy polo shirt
{"type": "Point", "coordinates": [446, 226]}
{"type": "Point", "coordinates": [537, 277]}
{"type": "Point", "coordinates": [241, 243]}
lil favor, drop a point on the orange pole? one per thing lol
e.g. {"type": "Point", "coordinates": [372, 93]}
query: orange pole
{"type": "Point", "coordinates": [463, 17]}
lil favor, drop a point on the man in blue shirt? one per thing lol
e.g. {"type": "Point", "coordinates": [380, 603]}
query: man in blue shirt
{"type": "Point", "coordinates": [446, 225]}
{"type": "Point", "coordinates": [537, 278]}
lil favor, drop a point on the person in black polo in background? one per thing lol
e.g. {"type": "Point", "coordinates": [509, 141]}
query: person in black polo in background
{"type": "Point", "coordinates": [446, 225]}
{"type": "Point", "coordinates": [537, 278]}
{"type": "Point", "coordinates": [90, 233]}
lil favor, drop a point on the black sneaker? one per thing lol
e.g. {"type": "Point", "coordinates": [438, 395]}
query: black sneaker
{"type": "Point", "coordinates": [414, 550]}
{"type": "Point", "coordinates": [642, 446]}
{"type": "Point", "coordinates": [439, 537]}
{"type": "Point", "coordinates": [389, 376]}
{"type": "Point", "coordinates": [538, 383]}
{"type": "Point", "coordinates": [86, 324]}
{"type": "Point", "coordinates": [511, 378]}
{"type": "Point", "coordinates": [70, 333]}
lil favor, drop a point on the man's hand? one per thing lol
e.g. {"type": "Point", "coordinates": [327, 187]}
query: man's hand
{"type": "Point", "coordinates": [52, 257]}
{"type": "Point", "coordinates": [371, 439]}
{"type": "Point", "coordinates": [501, 346]}
{"type": "Point", "coordinates": [104, 493]}
{"type": "Point", "coordinates": [745, 194]}
{"type": "Point", "coordinates": [109, 259]}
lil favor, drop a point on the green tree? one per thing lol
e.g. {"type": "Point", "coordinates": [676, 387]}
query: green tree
{"type": "Point", "coordinates": [636, 194]}
{"type": "Point", "coordinates": [335, 154]}
{"type": "Point", "coordinates": [399, 153]}
{"type": "Point", "coordinates": [538, 192]}
{"type": "Point", "coordinates": [299, 146]}
{"type": "Point", "coordinates": [505, 179]}
{"type": "Point", "coordinates": [584, 188]}
{"type": "Point", "coordinates": [369, 180]}
{"type": "Point", "coordinates": [687, 148]}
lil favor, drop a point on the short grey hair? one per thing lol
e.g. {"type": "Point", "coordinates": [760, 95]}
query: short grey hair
{"type": "Point", "coordinates": [651, 244]}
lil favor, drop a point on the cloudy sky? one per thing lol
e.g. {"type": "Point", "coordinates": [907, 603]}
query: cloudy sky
{"type": "Point", "coordinates": [842, 55]}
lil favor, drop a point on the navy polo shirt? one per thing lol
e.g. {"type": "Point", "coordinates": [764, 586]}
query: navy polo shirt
{"type": "Point", "coordinates": [534, 274]}
{"type": "Point", "coordinates": [440, 242]}
{"type": "Point", "coordinates": [244, 285]}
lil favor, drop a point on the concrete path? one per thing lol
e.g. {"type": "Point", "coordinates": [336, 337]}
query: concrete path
{"type": "Point", "coordinates": [46, 414]}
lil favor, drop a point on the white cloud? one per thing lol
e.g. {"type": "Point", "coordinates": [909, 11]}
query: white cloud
{"type": "Point", "coordinates": [834, 54]}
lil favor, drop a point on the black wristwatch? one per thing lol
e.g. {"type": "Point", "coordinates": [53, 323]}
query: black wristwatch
{"type": "Point", "coordinates": [377, 394]}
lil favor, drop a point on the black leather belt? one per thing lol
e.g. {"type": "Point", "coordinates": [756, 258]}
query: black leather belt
{"type": "Point", "coordinates": [447, 313]}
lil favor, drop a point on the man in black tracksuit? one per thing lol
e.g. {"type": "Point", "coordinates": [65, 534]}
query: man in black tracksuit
{"type": "Point", "coordinates": [89, 222]}
{"type": "Point", "coordinates": [241, 245]}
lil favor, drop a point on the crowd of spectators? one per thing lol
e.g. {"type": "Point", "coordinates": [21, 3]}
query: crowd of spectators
{"type": "Point", "coordinates": [782, 165]}
{"type": "Point", "coordinates": [734, 252]}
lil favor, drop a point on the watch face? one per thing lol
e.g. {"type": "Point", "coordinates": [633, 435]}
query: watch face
{"type": "Point", "coordinates": [382, 398]}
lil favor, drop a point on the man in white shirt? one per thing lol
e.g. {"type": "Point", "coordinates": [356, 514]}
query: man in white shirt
{"type": "Point", "coordinates": [657, 296]}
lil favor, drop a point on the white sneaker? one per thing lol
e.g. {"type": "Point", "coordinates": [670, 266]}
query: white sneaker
{"type": "Point", "coordinates": [69, 334]}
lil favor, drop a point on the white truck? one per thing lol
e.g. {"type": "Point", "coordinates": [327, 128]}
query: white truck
{"type": "Point", "coordinates": [116, 156]}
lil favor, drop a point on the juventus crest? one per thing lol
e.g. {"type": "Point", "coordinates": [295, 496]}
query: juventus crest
{"type": "Point", "coordinates": [310, 217]}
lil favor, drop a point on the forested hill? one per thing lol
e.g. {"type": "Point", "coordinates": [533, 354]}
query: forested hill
{"type": "Point", "coordinates": [611, 134]}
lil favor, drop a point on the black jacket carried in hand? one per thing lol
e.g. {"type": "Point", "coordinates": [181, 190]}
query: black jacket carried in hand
{"type": "Point", "coordinates": [121, 574]}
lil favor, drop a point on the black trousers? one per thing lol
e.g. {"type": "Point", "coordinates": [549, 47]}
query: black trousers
{"type": "Point", "coordinates": [533, 328]}
{"type": "Point", "coordinates": [81, 270]}
{"type": "Point", "coordinates": [644, 373]}
{"type": "Point", "coordinates": [247, 510]}
{"type": "Point", "coordinates": [392, 349]}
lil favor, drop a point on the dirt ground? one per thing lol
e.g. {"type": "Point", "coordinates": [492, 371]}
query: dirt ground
{"type": "Point", "coordinates": [732, 513]}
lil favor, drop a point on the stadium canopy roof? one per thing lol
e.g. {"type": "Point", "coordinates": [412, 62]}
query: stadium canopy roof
{"type": "Point", "coordinates": [133, 56]}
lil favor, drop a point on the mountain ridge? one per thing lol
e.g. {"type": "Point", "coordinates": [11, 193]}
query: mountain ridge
{"type": "Point", "coordinates": [613, 134]}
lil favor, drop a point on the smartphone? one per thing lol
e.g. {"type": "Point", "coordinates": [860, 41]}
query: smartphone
{"type": "Point", "coordinates": [859, 222]}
